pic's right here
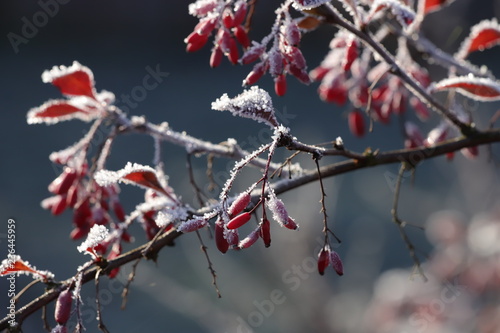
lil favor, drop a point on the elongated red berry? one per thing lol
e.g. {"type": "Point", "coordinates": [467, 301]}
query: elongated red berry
{"type": "Point", "coordinates": [255, 74]}
{"type": "Point", "coordinates": [63, 307]}
{"type": "Point", "coordinates": [265, 232]}
{"type": "Point", "coordinates": [356, 123]}
{"type": "Point", "coordinates": [220, 240]}
{"type": "Point", "coordinates": [280, 85]}
{"type": "Point", "coordinates": [241, 35]}
{"type": "Point", "coordinates": [61, 184]}
{"type": "Point", "coordinates": [72, 196]}
{"type": "Point", "coordinates": [250, 239]}
{"type": "Point", "coordinates": [216, 57]}
{"type": "Point", "coordinates": [205, 26]}
{"type": "Point", "coordinates": [195, 41]}
{"type": "Point", "coordinates": [118, 210]}
{"type": "Point", "coordinates": [240, 13]}
{"type": "Point", "coordinates": [240, 203]}
{"type": "Point", "coordinates": [336, 263]}
{"type": "Point", "coordinates": [291, 224]}
{"type": "Point", "coordinates": [239, 220]}
{"type": "Point", "coordinates": [350, 55]}
{"type": "Point", "coordinates": [59, 205]}
{"type": "Point", "coordinates": [227, 18]}
{"type": "Point", "coordinates": [323, 260]}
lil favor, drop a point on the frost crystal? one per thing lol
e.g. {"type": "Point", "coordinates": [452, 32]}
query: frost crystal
{"type": "Point", "coordinates": [97, 234]}
{"type": "Point", "coordinates": [168, 216]}
{"type": "Point", "coordinates": [308, 4]}
{"type": "Point", "coordinates": [106, 177]}
{"type": "Point", "coordinates": [483, 35]}
{"type": "Point", "coordinates": [254, 103]}
{"type": "Point", "coordinates": [59, 71]}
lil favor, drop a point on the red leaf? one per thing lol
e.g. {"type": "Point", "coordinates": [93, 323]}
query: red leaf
{"type": "Point", "coordinates": [145, 178]}
{"type": "Point", "coordinates": [481, 89]}
{"type": "Point", "coordinates": [76, 80]}
{"type": "Point", "coordinates": [433, 5]}
{"type": "Point", "coordinates": [54, 111]}
{"type": "Point", "coordinates": [483, 35]}
{"type": "Point", "coordinates": [14, 264]}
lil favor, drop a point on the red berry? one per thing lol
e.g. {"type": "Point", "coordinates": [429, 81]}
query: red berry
{"type": "Point", "coordinates": [280, 85]}
{"type": "Point", "coordinates": [336, 263]}
{"type": "Point", "coordinates": [61, 184]}
{"type": "Point", "coordinates": [240, 203]}
{"type": "Point", "coordinates": [239, 220]}
{"type": "Point", "coordinates": [59, 205]}
{"type": "Point", "coordinates": [239, 13]}
{"type": "Point", "coordinates": [291, 224]}
{"type": "Point", "coordinates": [255, 74]}
{"type": "Point", "coordinates": [241, 35]}
{"type": "Point", "coordinates": [356, 123]}
{"type": "Point", "coordinates": [118, 210]}
{"type": "Point", "coordinates": [265, 232]}
{"type": "Point", "coordinates": [216, 57]}
{"type": "Point", "coordinates": [220, 240]}
{"type": "Point", "coordinates": [227, 18]}
{"type": "Point", "coordinates": [63, 307]}
{"type": "Point", "coordinates": [323, 260]}
{"type": "Point", "coordinates": [195, 41]}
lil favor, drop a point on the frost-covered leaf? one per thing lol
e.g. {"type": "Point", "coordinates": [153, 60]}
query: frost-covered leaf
{"type": "Point", "coordinates": [434, 5]}
{"type": "Point", "coordinates": [483, 35]}
{"type": "Point", "coordinates": [403, 13]}
{"type": "Point", "coordinates": [254, 103]}
{"type": "Point", "coordinates": [75, 80]}
{"type": "Point", "coordinates": [97, 234]}
{"type": "Point", "coordinates": [308, 4]}
{"type": "Point", "coordinates": [58, 110]}
{"type": "Point", "coordinates": [14, 264]}
{"type": "Point", "coordinates": [136, 174]}
{"type": "Point", "coordinates": [481, 89]}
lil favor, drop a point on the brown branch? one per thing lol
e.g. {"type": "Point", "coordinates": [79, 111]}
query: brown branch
{"type": "Point", "coordinates": [412, 156]}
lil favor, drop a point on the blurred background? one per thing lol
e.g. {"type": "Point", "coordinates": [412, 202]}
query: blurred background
{"type": "Point", "coordinates": [263, 290]}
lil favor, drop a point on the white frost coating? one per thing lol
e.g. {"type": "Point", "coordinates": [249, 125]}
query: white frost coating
{"type": "Point", "coordinates": [254, 103]}
{"type": "Point", "coordinates": [479, 89]}
{"type": "Point", "coordinates": [308, 4]}
{"type": "Point", "coordinates": [475, 31]}
{"type": "Point", "coordinates": [12, 259]}
{"type": "Point", "coordinates": [106, 177]}
{"type": "Point", "coordinates": [168, 216]}
{"type": "Point", "coordinates": [97, 234]}
{"type": "Point", "coordinates": [403, 13]}
{"type": "Point", "coordinates": [192, 224]}
{"type": "Point", "coordinates": [85, 112]}
{"type": "Point", "coordinates": [59, 71]}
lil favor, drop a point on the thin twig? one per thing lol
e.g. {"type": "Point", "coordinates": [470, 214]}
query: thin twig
{"type": "Point", "coordinates": [401, 223]}
{"type": "Point", "coordinates": [101, 325]}
{"type": "Point", "coordinates": [131, 278]}
{"type": "Point", "coordinates": [210, 265]}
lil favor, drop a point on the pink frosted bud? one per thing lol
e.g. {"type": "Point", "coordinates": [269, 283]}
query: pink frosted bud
{"type": "Point", "coordinates": [278, 209]}
{"type": "Point", "coordinates": [192, 225]}
{"type": "Point", "coordinates": [240, 203]}
{"type": "Point", "coordinates": [232, 237]}
{"type": "Point", "coordinates": [63, 307]}
{"type": "Point", "coordinates": [275, 63]}
{"type": "Point", "coordinates": [265, 232]}
{"type": "Point", "coordinates": [336, 263]}
{"type": "Point", "coordinates": [250, 239]}
{"type": "Point", "coordinates": [291, 32]}
{"type": "Point", "coordinates": [239, 220]}
{"type": "Point", "coordinates": [220, 240]}
{"type": "Point", "coordinates": [323, 260]}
